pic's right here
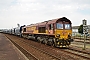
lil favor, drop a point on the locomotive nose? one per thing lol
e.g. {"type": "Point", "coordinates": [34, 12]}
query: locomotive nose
{"type": "Point", "coordinates": [63, 34]}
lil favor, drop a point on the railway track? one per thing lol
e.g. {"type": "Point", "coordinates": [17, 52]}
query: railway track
{"type": "Point", "coordinates": [45, 52]}
{"type": "Point", "coordinates": [56, 53]}
{"type": "Point", "coordinates": [29, 55]}
{"type": "Point", "coordinates": [82, 41]}
{"type": "Point", "coordinates": [75, 48]}
{"type": "Point", "coordinates": [75, 51]}
{"type": "Point", "coordinates": [25, 52]}
{"type": "Point", "coordinates": [84, 55]}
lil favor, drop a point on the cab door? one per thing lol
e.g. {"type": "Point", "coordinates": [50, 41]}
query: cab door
{"type": "Point", "coordinates": [51, 29]}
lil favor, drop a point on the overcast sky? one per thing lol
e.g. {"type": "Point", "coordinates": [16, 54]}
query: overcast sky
{"type": "Point", "coordinates": [25, 12]}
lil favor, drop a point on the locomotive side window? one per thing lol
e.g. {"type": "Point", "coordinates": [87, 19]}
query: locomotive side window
{"type": "Point", "coordinates": [67, 26]}
{"type": "Point", "coordinates": [59, 26]}
{"type": "Point", "coordinates": [51, 27]}
{"type": "Point", "coordinates": [42, 29]}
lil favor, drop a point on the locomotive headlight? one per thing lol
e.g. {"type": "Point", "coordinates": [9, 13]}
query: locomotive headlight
{"type": "Point", "coordinates": [58, 35]}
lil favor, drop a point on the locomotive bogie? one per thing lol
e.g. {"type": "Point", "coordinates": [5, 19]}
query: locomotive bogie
{"type": "Point", "coordinates": [62, 43]}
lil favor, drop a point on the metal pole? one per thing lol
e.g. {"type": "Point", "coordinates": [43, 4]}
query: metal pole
{"type": "Point", "coordinates": [84, 31]}
{"type": "Point", "coordinates": [84, 41]}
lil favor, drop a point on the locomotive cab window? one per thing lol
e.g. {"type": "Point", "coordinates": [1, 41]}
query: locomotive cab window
{"type": "Point", "coordinates": [59, 26]}
{"type": "Point", "coordinates": [24, 30]}
{"type": "Point", "coordinates": [67, 26]}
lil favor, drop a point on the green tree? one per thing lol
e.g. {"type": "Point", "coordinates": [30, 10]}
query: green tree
{"type": "Point", "coordinates": [80, 29]}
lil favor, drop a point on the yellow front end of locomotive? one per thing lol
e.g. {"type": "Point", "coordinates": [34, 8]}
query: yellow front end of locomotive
{"type": "Point", "coordinates": [63, 34]}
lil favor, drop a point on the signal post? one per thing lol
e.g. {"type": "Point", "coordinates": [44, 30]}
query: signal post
{"type": "Point", "coordinates": [84, 31]}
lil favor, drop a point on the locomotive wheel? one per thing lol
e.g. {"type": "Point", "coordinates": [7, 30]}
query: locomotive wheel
{"type": "Point", "coordinates": [69, 42]}
{"type": "Point", "coordinates": [51, 43]}
{"type": "Point", "coordinates": [38, 39]}
{"type": "Point", "coordinates": [45, 42]}
{"type": "Point", "coordinates": [54, 42]}
{"type": "Point", "coordinates": [55, 45]}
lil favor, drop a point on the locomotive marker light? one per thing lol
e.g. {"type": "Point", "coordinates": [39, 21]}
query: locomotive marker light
{"type": "Point", "coordinates": [84, 31]}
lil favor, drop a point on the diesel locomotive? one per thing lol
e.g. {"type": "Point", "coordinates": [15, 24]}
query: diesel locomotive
{"type": "Point", "coordinates": [55, 32]}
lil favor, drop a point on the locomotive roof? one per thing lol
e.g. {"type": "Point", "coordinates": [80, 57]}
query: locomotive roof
{"type": "Point", "coordinates": [58, 19]}
{"type": "Point", "coordinates": [32, 25]}
{"type": "Point", "coordinates": [54, 21]}
{"type": "Point", "coordinates": [49, 22]}
{"type": "Point", "coordinates": [42, 23]}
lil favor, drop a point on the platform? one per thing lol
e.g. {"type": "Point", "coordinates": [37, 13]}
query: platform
{"type": "Point", "coordinates": [8, 51]}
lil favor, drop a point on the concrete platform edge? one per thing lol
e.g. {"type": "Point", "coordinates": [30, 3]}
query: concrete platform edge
{"type": "Point", "coordinates": [18, 49]}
